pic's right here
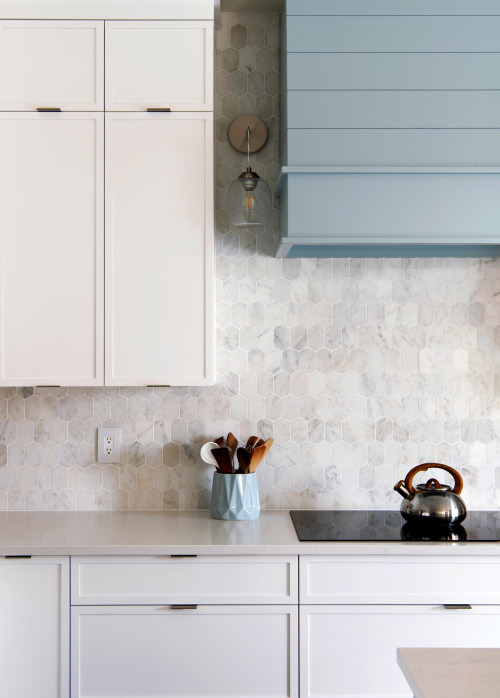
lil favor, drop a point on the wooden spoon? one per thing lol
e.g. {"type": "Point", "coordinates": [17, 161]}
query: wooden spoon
{"type": "Point", "coordinates": [268, 443]}
{"type": "Point", "coordinates": [219, 441]}
{"type": "Point", "coordinates": [257, 455]}
{"type": "Point", "coordinates": [223, 457]}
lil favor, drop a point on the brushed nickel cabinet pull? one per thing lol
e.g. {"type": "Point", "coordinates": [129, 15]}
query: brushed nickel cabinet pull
{"type": "Point", "coordinates": [47, 386]}
{"type": "Point", "coordinates": [48, 108]}
{"type": "Point", "coordinates": [158, 109]}
{"type": "Point", "coordinates": [457, 606]}
{"type": "Point", "coordinates": [183, 607]}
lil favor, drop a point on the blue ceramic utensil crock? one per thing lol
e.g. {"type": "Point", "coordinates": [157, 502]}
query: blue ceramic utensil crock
{"type": "Point", "coordinates": [235, 497]}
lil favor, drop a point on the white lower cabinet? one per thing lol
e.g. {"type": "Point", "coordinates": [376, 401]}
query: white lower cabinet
{"type": "Point", "coordinates": [233, 651]}
{"type": "Point", "coordinates": [184, 626]}
{"type": "Point", "coordinates": [356, 610]}
{"type": "Point", "coordinates": [34, 627]}
{"type": "Point", "coordinates": [350, 651]}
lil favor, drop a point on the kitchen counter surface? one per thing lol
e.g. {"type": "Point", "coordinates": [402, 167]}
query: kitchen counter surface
{"type": "Point", "coordinates": [451, 673]}
{"type": "Point", "coordinates": [194, 532]}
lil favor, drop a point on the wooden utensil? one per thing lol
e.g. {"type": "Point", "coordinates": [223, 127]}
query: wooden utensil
{"type": "Point", "coordinates": [243, 457]}
{"type": "Point", "coordinates": [258, 454]}
{"type": "Point", "coordinates": [223, 457]}
{"type": "Point", "coordinates": [219, 441]}
{"type": "Point", "coordinates": [232, 442]}
{"type": "Point", "coordinates": [268, 443]}
{"type": "Point", "coordinates": [251, 443]}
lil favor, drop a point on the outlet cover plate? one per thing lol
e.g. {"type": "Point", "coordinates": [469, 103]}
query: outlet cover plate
{"type": "Point", "coordinates": [103, 435]}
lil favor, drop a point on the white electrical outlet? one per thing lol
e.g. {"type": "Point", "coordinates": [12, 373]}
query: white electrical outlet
{"type": "Point", "coordinates": [108, 444]}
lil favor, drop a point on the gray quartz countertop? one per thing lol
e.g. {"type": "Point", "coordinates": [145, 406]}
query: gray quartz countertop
{"type": "Point", "coordinates": [451, 673]}
{"type": "Point", "coordinates": [182, 532]}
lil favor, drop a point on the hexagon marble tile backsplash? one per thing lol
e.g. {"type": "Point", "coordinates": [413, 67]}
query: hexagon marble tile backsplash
{"type": "Point", "coordinates": [358, 368]}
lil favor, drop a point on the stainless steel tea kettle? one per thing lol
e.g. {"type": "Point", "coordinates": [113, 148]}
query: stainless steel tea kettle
{"type": "Point", "coordinates": [432, 503]}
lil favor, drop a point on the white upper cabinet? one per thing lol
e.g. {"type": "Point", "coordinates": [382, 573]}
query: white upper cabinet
{"type": "Point", "coordinates": [159, 249]}
{"type": "Point", "coordinates": [159, 199]}
{"type": "Point", "coordinates": [159, 65]}
{"type": "Point", "coordinates": [51, 249]}
{"type": "Point", "coordinates": [54, 64]}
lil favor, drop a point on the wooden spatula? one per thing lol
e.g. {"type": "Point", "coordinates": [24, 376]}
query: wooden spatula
{"type": "Point", "coordinates": [232, 442]}
{"type": "Point", "coordinates": [243, 459]}
{"type": "Point", "coordinates": [251, 443]}
{"type": "Point", "coordinates": [223, 457]}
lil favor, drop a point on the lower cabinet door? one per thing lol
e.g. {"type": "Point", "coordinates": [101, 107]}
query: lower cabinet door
{"type": "Point", "coordinates": [350, 651]}
{"type": "Point", "coordinates": [160, 651]}
{"type": "Point", "coordinates": [34, 627]}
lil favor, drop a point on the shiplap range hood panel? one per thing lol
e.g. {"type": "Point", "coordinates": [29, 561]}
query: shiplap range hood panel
{"type": "Point", "coordinates": [390, 138]}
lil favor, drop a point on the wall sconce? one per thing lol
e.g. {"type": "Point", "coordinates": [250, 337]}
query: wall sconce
{"type": "Point", "coordinates": [249, 198]}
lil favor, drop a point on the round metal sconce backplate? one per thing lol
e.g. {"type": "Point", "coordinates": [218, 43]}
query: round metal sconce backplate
{"type": "Point", "coordinates": [238, 133]}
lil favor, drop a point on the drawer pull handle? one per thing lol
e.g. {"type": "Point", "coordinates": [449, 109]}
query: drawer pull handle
{"type": "Point", "coordinates": [17, 557]}
{"type": "Point", "coordinates": [184, 556]}
{"type": "Point", "coordinates": [48, 108]}
{"type": "Point", "coordinates": [158, 109]}
{"type": "Point", "coordinates": [457, 606]}
{"type": "Point", "coordinates": [184, 607]}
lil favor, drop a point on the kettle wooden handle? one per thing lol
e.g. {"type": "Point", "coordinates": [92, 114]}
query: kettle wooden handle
{"type": "Point", "coordinates": [459, 483]}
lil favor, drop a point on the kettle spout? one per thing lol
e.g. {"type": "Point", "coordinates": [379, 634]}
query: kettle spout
{"type": "Point", "coordinates": [403, 490]}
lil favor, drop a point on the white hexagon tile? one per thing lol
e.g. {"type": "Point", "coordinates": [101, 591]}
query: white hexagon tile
{"type": "Point", "coordinates": [358, 368]}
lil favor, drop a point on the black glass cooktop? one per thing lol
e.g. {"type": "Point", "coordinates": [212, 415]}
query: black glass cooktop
{"type": "Point", "coordinates": [358, 525]}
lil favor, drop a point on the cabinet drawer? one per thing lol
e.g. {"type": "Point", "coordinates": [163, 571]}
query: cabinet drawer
{"type": "Point", "coordinates": [390, 579]}
{"type": "Point", "coordinates": [218, 651]}
{"type": "Point", "coordinates": [50, 63]}
{"type": "Point", "coordinates": [166, 580]}
{"type": "Point", "coordinates": [159, 64]}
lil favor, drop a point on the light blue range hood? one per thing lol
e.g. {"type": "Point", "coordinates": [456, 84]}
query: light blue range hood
{"type": "Point", "coordinates": [390, 136]}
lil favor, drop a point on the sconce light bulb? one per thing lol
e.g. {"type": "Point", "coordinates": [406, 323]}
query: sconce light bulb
{"type": "Point", "coordinates": [249, 202]}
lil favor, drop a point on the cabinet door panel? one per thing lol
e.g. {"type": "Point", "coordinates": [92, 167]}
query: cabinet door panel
{"type": "Point", "coordinates": [159, 64]}
{"type": "Point", "coordinates": [350, 651]}
{"type": "Point", "coordinates": [159, 249]}
{"type": "Point", "coordinates": [51, 262]}
{"type": "Point", "coordinates": [216, 651]}
{"type": "Point", "coordinates": [51, 64]}
{"type": "Point", "coordinates": [34, 628]}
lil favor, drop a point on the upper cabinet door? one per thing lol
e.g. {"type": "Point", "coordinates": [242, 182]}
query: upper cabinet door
{"type": "Point", "coordinates": [159, 65]}
{"type": "Point", "coordinates": [54, 64]}
{"type": "Point", "coordinates": [159, 249]}
{"type": "Point", "coordinates": [51, 249]}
